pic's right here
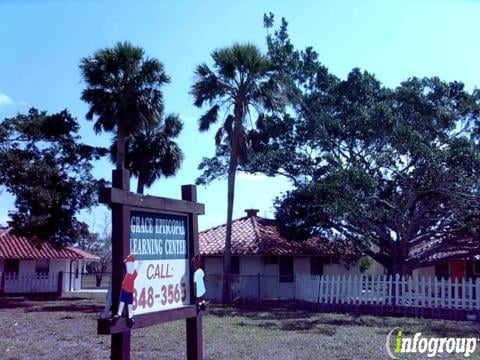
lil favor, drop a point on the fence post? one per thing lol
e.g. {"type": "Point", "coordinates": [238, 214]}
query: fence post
{"type": "Point", "coordinates": [477, 294]}
{"type": "Point", "coordinates": [449, 292]}
{"type": "Point", "coordinates": [60, 284]}
{"type": "Point", "coordinates": [470, 294]}
{"type": "Point", "coordinates": [319, 289]}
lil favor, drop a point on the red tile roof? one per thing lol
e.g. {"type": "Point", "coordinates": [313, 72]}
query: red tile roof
{"type": "Point", "coordinates": [259, 236]}
{"type": "Point", "coordinates": [19, 247]}
{"type": "Point", "coordinates": [83, 254]}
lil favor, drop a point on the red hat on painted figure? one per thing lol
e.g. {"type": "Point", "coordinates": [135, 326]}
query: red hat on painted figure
{"type": "Point", "coordinates": [129, 258]}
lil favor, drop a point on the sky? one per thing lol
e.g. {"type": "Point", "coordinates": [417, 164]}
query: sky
{"type": "Point", "coordinates": [42, 43]}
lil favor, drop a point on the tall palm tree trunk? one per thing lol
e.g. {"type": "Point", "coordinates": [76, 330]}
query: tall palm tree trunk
{"type": "Point", "coordinates": [227, 263]}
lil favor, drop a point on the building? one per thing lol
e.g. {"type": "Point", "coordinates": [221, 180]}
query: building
{"type": "Point", "coordinates": [266, 263]}
{"type": "Point", "coordinates": [28, 267]}
{"type": "Point", "coordinates": [463, 267]}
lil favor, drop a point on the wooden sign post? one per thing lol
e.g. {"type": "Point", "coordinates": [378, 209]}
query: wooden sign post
{"type": "Point", "coordinates": [160, 236]}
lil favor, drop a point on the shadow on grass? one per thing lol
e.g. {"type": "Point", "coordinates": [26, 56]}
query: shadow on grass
{"type": "Point", "coordinates": [274, 313]}
{"type": "Point", "coordinates": [287, 318]}
{"type": "Point", "coordinates": [47, 304]}
{"type": "Point", "coordinates": [452, 329]}
{"type": "Point", "coordinates": [11, 303]}
{"type": "Point", "coordinates": [82, 308]}
{"type": "Point", "coordinates": [315, 326]}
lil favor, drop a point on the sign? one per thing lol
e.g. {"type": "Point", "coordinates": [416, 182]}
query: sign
{"type": "Point", "coordinates": [159, 245]}
{"type": "Point", "coordinates": [155, 254]}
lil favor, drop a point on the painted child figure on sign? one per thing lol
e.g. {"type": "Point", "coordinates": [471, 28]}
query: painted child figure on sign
{"type": "Point", "coordinates": [199, 281]}
{"type": "Point", "coordinates": [128, 287]}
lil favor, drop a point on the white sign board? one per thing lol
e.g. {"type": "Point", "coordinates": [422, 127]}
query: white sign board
{"type": "Point", "coordinates": [159, 244]}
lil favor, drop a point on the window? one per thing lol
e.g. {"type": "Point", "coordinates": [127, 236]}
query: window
{"type": "Point", "coordinates": [476, 267]}
{"type": "Point", "coordinates": [235, 265]}
{"type": "Point", "coordinates": [12, 265]}
{"type": "Point", "coordinates": [42, 266]}
{"type": "Point", "coordinates": [316, 265]}
{"type": "Point", "coordinates": [286, 268]}
{"type": "Point", "coordinates": [272, 259]}
{"type": "Point", "coordinates": [441, 271]}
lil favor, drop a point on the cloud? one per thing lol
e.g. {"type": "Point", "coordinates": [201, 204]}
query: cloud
{"type": "Point", "coordinates": [5, 100]}
{"type": "Point", "coordinates": [4, 219]}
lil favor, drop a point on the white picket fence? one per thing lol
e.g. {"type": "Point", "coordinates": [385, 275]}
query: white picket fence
{"type": "Point", "coordinates": [381, 290]}
{"type": "Point", "coordinates": [29, 282]}
{"type": "Point", "coordinates": [422, 292]}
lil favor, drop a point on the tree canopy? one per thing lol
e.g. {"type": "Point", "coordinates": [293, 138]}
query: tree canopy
{"type": "Point", "coordinates": [392, 172]}
{"type": "Point", "coordinates": [123, 91]}
{"type": "Point", "coordinates": [99, 242]}
{"type": "Point", "coordinates": [47, 169]}
{"type": "Point", "coordinates": [152, 152]}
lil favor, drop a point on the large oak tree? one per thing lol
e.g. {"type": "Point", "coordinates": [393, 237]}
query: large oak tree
{"type": "Point", "coordinates": [47, 169]}
{"type": "Point", "coordinates": [394, 172]}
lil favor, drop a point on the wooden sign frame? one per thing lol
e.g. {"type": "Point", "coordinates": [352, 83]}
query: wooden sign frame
{"type": "Point", "coordinates": [121, 201]}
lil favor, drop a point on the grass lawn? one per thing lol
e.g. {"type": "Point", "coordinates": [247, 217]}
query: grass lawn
{"type": "Point", "coordinates": [89, 281]}
{"type": "Point", "coordinates": [66, 329]}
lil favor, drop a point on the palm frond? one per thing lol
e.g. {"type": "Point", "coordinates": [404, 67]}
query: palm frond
{"type": "Point", "coordinates": [228, 124]}
{"type": "Point", "coordinates": [240, 82]}
{"type": "Point", "coordinates": [123, 88]}
{"type": "Point", "coordinates": [209, 118]}
{"type": "Point", "coordinates": [219, 135]}
{"type": "Point", "coordinates": [173, 125]}
{"type": "Point", "coordinates": [207, 86]}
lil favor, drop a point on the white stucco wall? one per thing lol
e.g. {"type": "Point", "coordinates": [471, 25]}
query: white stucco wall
{"type": "Point", "coordinates": [376, 269]}
{"type": "Point", "coordinates": [213, 265]}
{"type": "Point", "coordinates": [27, 266]}
{"type": "Point", "coordinates": [425, 271]}
{"type": "Point", "coordinates": [270, 269]}
{"type": "Point", "coordinates": [74, 281]}
{"type": "Point", "coordinates": [70, 281]}
{"type": "Point", "coordinates": [249, 285]}
{"type": "Point", "coordinates": [57, 265]}
{"type": "Point", "coordinates": [268, 283]}
{"type": "Point", "coordinates": [301, 265]}
{"type": "Point", "coordinates": [251, 265]}
{"type": "Point", "coordinates": [341, 269]}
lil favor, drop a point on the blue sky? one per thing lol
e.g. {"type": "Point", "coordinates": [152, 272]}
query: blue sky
{"type": "Point", "coordinates": [42, 43]}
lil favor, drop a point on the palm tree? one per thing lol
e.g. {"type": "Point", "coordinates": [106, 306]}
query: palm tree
{"type": "Point", "coordinates": [123, 91]}
{"type": "Point", "coordinates": [152, 153]}
{"type": "Point", "coordinates": [241, 82]}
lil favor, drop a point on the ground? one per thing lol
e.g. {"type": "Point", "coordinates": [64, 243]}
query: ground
{"type": "Point", "coordinates": [35, 329]}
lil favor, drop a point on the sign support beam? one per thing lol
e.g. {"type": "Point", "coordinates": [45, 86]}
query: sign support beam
{"type": "Point", "coordinates": [120, 344]}
{"type": "Point", "coordinates": [194, 325]}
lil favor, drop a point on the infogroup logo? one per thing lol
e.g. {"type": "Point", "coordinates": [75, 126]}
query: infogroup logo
{"type": "Point", "coordinates": [432, 346]}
